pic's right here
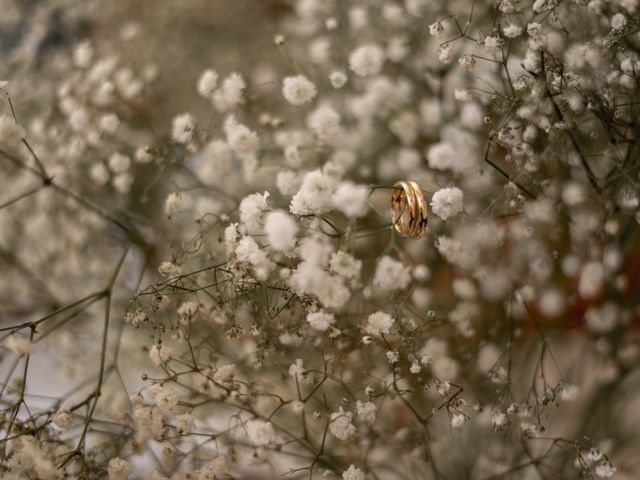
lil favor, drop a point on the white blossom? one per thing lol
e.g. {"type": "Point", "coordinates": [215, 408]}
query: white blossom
{"type": "Point", "coordinates": [230, 94]}
{"type": "Point", "coordinates": [224, 373]}
{"type": "Point", "coordinates": [247, 251]}
{"type": "Point", "coordinates": [340, 424]}
{"type": "Point", "coordinates": [512, 30]}
{"type": "Point", "coordinates": [618, 21]}
{"type": "Point", "coordinates": [445, 53]}
{"type": "Point", "coordinates": [83, 54]}
{"type": "Point", "coordinates": [165, 396]}
{"type": "Point", "coordinates": [379, 323]}
{"type": "Point", "coordinates": [367, 60]}
{"type": "Point", "coordinates": [119, 469]}
{"type": "Point", "coordinates": [345, 265]}
{"type": "Point", "coordinates": [602, 319]}
{"type": "Point", "coordinates": [260, 433]}
{"type": "Point", "coordinates": [109, 123]}
{"type": "Point", "coordinates": [63, 419]}
{"type": "Point", "coordinates": [241, 139]}
{"type": "Point", "coordinates": [605, 470]}
{"type": "Point", "coordinates": [338, 79]}
{"type": "Point", "coordinates": [353, 473]}
{"type": "Point", "coordinates": [298, 90]}
{"type": "Point", "coordinates": [320, 320]}
{"type": "Point", "coordinates": [177, 202]}
{"type": "Point", "coordinates": [442, 156]}
{"type": "Point", "coordinates": [287, 182]}
{"type": "Point", "coordinates": [391, 275]}
{"type": "Point", "coordinates": [159, 353]}
{"type": "Point", "coordinates": [492, 44]}
{"type": "Point", "coordinates": [447, 202]}
{"type": "Point", "coordinates": [297, 370]}
{"type": "Point", "coordinates": [281, 230]}
{"type": "Point", "coordinates": [184, 422]}
{"type": "Point", "coordinates": [591, 280]}
{"type": "Point", "coordinates": [458, 420]}
{"type": "Point", "coordinates": [184, 126]}
{"type": "Point", "coordinates": [316, 194]}
{"type": "Point", "coordinates": [366, 411]}
{"type": "Point", "coordinates": [207, 83]}
{"type": "Point", "coordinates": [252, 209]}
{"type": "Point", "coordinates": [351, 199]}
{"type": "Point", "coordinates": [325, 122]}
{"type": "Point", "coordinates": [119, 162]}
{"type": "Point", "coordinates": [467, 62]}
{"type": "Point", "coordinates": [19, 345]}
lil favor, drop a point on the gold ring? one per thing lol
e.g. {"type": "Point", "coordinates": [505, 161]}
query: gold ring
{"type": "Point", "coordinates": [409, 209]}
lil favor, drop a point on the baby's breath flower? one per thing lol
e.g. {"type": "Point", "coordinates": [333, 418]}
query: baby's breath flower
{"type": "Point", "coordinates": [177, 202]}
{"type": "Point", "coordinates": [315, 194]}
{"type": "Point", "coordinates": [230, 94]}
{"type": "Point", "coordinates": [83, 54]}
{"type": "Point", "coordinates": [184, 422]}
{"type": "Point", "coordinates": [366, 411]}
{"type": "Point", "coordinates": [618, 22]}
{"type": "Point", "coordinates": [325, 122]}
{"type": "Point", "coordinates": [367, 60]}
{"type": "Point", "coordinates": [184, 126]}
{"type": "Point", "coordinates": [298, 90]}
{"type": "Point", "coordinates": [63, 419]}
{"type": "Point", "coordinates": [340, 424]}
{"type": "Point", "coordinates": [207, 83]}
{"type": "Point", "coordinates": [602, 319]}
{"type": "Point", "coordinates": [605, 470]}
{"type": "Point", "coordinates": [338, 79]}
{"type": "Point", "coordinates": [159, 353]}
{"type": "Point", "coordinates": [119, 469]}
{"type": "Point", "coordinates": [345, 265]}
{"type": "Point", "coordinates": [492, 44]}
{"type": "Point", "coordinates": [109, 123]}
{"type": "Point", "coordinates": [512, 30]}
{"type": "Point", "coordinates": [260, 433]}
{"type": "Point", "coordinates": [391, 275]}
{"type": "Point", "coordinates": [351, 199]}
{"type": "Point", "coordinates": [458, 420]}
{"type": "Point", "coordinates": [240, 138]}
{"type": "Point", "coordinates": [591, 280]}
{"type": "Point", "coordinates": [165, 396]}
{"type": "Point", "coordinates": [447, 202]}
{"type": "Point", "coordinates": [252, 209]}
{"type": "Point", "coordinates": [569, 392]}
{"type": "Point", "coordinates": [119, 163]}
{"type": "Point", "coordinates": [281, 230]}
{"type": "Point", "coordinates": [393, 356]}
{"type": "Point", "coordinates": [250, 289]}
{"type": "Point", "coordinates": [467, 62]}
{"type": "Point", "coordinates": [445, 53]}
{"type": "Point", "coordinates": [320, 320]}
{"type": "Point", "coordinates": [19, 345]}
{"type": "Point", "coordinates": [353, 473]}
{"type": "Point", "coordinates": [379, 323]}
{"type": "Point", "coordinates": [442, 156]}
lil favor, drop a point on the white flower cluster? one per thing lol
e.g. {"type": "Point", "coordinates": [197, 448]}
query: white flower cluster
{"type": "Point", "coordinates": [447, 202]}
{"type": "Point", "coordinates": [275, 321]}
{"type": "Point", "coordinates": [298, 90]}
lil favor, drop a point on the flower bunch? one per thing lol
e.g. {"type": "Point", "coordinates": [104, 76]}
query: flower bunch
{"type": "Point", "coordinates": [265, 318]}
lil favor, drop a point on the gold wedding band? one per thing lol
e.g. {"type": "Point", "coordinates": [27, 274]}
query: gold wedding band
{"type": "Point", "coordinates": [409, 209]}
